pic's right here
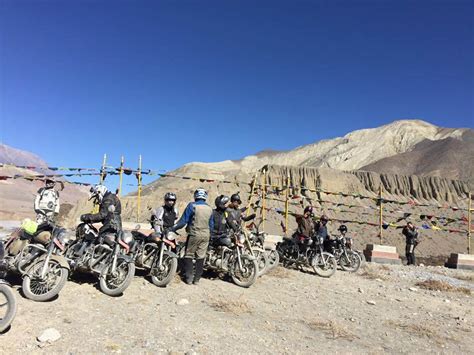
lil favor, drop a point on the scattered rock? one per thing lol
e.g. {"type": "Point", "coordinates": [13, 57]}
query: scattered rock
{"type": "Point", "coordinates": [371, 302]}
{"type": "Point", "coordinates": [361, 290]}
{"type": "Point", "coordinates": [182, 302]}
{"type": "Point", "coordinates": [49, 335]}
{"type": "Point", "coordinates": [447, 301]}
{"type": "Point", "coordinates": [413, 289]}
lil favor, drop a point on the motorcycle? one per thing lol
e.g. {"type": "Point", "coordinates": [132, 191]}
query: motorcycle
{"type": "Point", "coordinates": [154, 252]}
{"type": "Point", "coordinates": [104, 254]}
{"type": "Point", "coordinates": [257, 239]}
{"type": "Point", "coordinates": [242, 267]}
{"type": "Point", "coordinates": [7, 297]}
{"type": "Point", "coordinates": [341, 248]}
{"type": "Point", "coordinates": [311, 254]}
{"type": "Point", "coordinates": [38, 257]}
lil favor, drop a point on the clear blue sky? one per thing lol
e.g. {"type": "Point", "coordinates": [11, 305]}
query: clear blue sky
{"type": "Point", "coordinates": [181, 81]}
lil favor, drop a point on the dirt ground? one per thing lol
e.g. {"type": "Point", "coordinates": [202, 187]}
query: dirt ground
{"type": "Point", "coordinates": [379, 309]}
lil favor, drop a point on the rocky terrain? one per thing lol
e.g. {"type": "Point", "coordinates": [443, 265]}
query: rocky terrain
{"type": "Point", "coordinates": [380, 309]}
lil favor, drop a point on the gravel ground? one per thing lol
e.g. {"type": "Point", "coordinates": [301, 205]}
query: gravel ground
{"type": "Point", "coordinates": [379, 309]}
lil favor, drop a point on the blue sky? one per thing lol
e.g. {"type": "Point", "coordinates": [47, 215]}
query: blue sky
{"type": "Point", "coordinates": [181, 81]}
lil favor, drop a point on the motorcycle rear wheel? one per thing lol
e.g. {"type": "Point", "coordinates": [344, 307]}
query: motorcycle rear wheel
{"type": "Point", "coordinates": [324, 264]}
{"type": "Point", "coordinates": [262, 260]}
{"type": "Point", "coordinates": [41, 290]}
{"type": "Point", "coordinates": [115, 285]}
{"type": "Point", "coordinates": [7, 306]}
{"type": "Point", "coordinates": [273, 258]}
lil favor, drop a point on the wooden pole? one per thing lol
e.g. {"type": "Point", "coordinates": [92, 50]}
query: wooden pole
{"type": "Point", "coordinates": [469, 221]}
{"type": "Point", "coordinates": [120, 176]}
{"type": "Point", "coordinates": [139, 193]}
{"type": "Point", "coordinates": [252, 191]}
{"type": "Point", "coordinates": [264, 188]}
{"type": "Point", "coordinates": [287, 202]}
{"type": "Point", "coordinates": [102, 170]}
{"type": "Point", "coordinates": [381, 215]}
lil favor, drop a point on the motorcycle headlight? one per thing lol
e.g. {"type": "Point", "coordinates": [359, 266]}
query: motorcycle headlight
{"type": "Point", "coordinates": [171, 236]}
{"type": "Point", "coordinates": [64, 237]}
{"type": "Point", "coordinates": [127, 237]}
{"type": "Point", "coordinates": [241, 238]}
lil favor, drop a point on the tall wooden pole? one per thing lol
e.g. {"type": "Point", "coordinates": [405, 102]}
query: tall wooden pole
{"type": "Point", "coordinates": [287, 202]}
{"type": "Point", "coordinates": [252, 191]}
{"type": "Point", "coordinates": [120, 176]}
{"type": "Point", "coordinates": [139, 193]}
{"type": "Point", "coordinates": [469, 221]}
{"type": "Point", "coordinates": [264, 188]}
{"type": "Point", "coordinates": [380, 215]}
{"type": "Point", "coordinates": [102, 170]}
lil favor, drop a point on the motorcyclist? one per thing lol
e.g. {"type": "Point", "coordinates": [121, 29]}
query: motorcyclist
{"type": "Point", "coordinates": [235, 218]}
{"type": "Point", "coordinates": [47, 203]}
{"type": "Point", "coordinates": [198, 222]}
{"type": "Point", "coordinates": [411, 234]}
{"type": "Point", "coordinates": [164, 217]}
{"type": "Point", "coordinates": [306, 226]}
{"type": "Point", "coordinates": [110, 210]}
{"type": "Point", "coordinates": [220, 230]}
{"type": "Point", "coordinates": [322, 230]}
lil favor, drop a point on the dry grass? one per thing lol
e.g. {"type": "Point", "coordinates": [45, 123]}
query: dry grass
{"type": "Point", "coordinates": [232, 306]}
{"type": "Point", "coordinates": [436, 285]}
{"type": "Point", "coordinates": [374, 272]}
{"type": "Point", "coordinates": [279, 272]}
{"type": "Point", "coordinates": [334, 329]}
{"type": "Point", "coordinates": [420, 330]}
{"type": "Point", "coordinates": [465, 277]}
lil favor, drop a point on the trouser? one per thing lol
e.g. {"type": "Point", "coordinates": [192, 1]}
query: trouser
{"type": "Point", "coordinates": [196, 248]}
{"type": "Point", "coordinates": [410, 254]}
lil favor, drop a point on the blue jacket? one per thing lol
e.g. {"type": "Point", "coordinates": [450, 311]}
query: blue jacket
{"type": "Point", "coordinates": [188, 215]}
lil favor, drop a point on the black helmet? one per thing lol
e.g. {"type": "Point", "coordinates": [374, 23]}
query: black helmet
{"type": "Point", "coordinates": [169, 196]}
{"type": "Point", "coordinates": [308, 209]}
{"type": "Point", "coordinates": [221, 201]}
{"type": "Point", "coordinates": [49, 182]}
{"type": "Point", "coordinates": [342, 228]}
{"type": "Point", "coordinates": [235, 197]}
{"type": "Point", "coordinates": [324, 218]}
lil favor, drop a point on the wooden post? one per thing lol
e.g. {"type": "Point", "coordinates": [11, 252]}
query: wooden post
{"type": "Point", "coordinates": [264, 188]}
{"type": "Point", "coordinates": [287, 202]}
{"type": "Point", "coordinates": [102, 170]}
{"type": "Point", "coordinates": [380, 215]}
{"type": "Point", "coordinates": [120, 177]}
{"type": "Point", "coordinates": [252, 191]}
{"type": "Point", "coordinates": [139, 193]}
{"type": "Point", "coordinates": [469, 221]}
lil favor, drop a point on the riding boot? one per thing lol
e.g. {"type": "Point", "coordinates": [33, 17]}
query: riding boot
{"type": "Point", "coordinates": [188, 270]}
{"type": "Point", "coordinates": [199, 270]}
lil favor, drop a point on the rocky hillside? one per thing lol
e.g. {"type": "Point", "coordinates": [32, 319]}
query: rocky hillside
{"type": "Point", "coordinates": [17, 196]}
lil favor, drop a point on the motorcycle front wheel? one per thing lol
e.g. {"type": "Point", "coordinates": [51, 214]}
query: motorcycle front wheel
{"type": "Point", "coordinates": [273, 258]}
{"type": "Point", "coordinates": [114, 284]}
{"type": "Point", "coordinates": [247, 276]}
{"type": "Point", "coordinates": [324, 264]}
{"type": "Point", "coordinates": [40, 289]}
{"type": "Point", "coordinates": [7, 306]}
{"type": "Point", "coordinates": [351, 263]}
{"type": "Point", "coordinates": [262, 260]}
{"type": "Point", "coordinates": [162, 276]}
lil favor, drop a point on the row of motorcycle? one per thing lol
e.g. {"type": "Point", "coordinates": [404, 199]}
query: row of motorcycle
{"type": "Point", "coordinates": [46, 258]}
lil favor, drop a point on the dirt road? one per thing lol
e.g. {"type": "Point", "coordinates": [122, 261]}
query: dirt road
{"type": "Point", "coordinates": [379, 309]}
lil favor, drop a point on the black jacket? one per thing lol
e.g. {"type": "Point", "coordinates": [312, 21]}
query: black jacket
{"type": "Point", "coordinates": [234, 218]}
{"type": "Point", "coordinates": [411, 235]}
{"type": "Point", "coordinates": [109, 216]}
{"type": "Point", "coordinates": [220, 223]}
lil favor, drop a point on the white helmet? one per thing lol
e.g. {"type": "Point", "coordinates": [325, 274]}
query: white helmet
{"type": "Point", "coordinates": [200, 194]}
{"type": "Point", "coordinates": [97, 192]}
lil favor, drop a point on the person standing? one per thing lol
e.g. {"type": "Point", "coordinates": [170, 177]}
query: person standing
{"type": "Point", "coordinates": [164, 217]}
{"type": "Point", "coordinates": [47, 203]}
{"type": "Point", "coordinates": [411, 234]}
{"type": "Point", "coordinates": [197, 218]}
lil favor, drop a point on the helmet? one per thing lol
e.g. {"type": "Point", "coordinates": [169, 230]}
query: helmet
{"type": "Point", "coordinates": [200, 194]}
{"type": "Point", "coordinates": [221, 201]}
{"type": "Point", "coordinates": [49, 182]}
{"type": "Point", "coordinates": [169, 196]}
{"type": "Point", "coordinates": [342, 228]}
{"type": "Point", "coordinates": [324, 218]}
{"type": "Point", "coordinates": [97, 192]}
{"type": "Point", "coordinates": [235, 197]}
{"type": "Point", "coordinates": [308, 209]}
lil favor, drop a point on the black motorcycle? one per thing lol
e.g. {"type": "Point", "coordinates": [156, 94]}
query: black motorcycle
{"type": "Point", "coordinates": [154, 252]}
{"type": "Point", "coordinates": [38, 257]}
{"type": "Point", "coordinates": [104, 254]}
{"type": "Point", "coordinates": [341, 248]}
{"type": "Point", "coordinates": [7, 297]}
{"type": "Point", "coordinates": [307, 254]}
{"type": "Point", "coordinates": [234, 260]}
